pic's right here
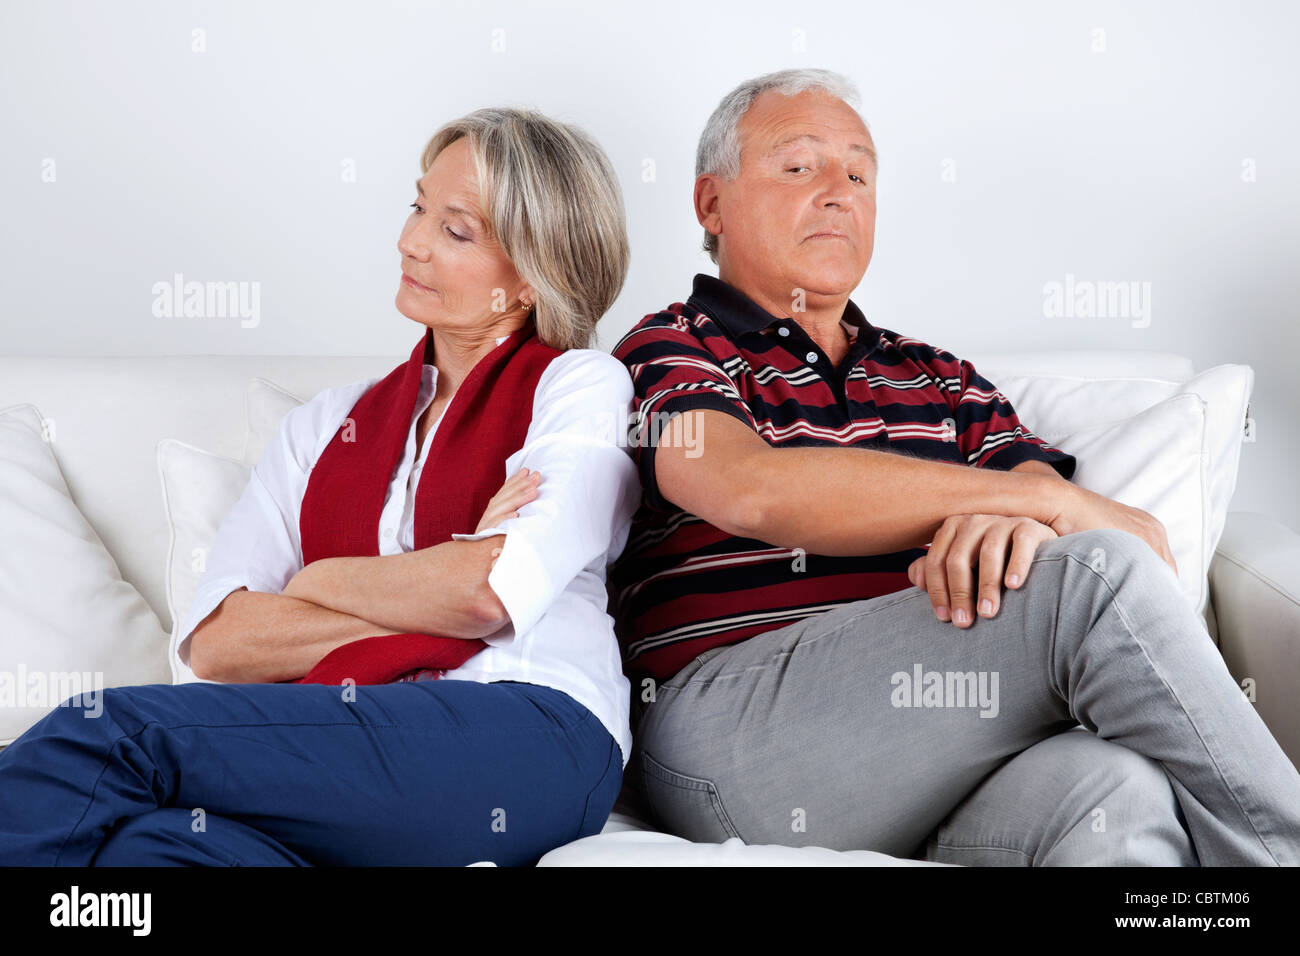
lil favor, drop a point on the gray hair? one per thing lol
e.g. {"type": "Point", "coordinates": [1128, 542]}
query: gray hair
{"type": "Point", "coordinates": [554, 204]}
{"type": "Point", "coordinates": [719, 149]}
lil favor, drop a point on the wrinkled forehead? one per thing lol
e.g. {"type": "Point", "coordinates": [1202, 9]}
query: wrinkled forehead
{"type": "Point", "coordinates": [775, 123]}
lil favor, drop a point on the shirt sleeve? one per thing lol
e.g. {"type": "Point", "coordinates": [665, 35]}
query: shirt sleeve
{"type": "Point", "coordinates": [587, 495]}
{"type": "Point", "coordinates": [989, 432]}
{"type": "Point", "coordinates": [257, 545]}
{"type": "Point", "coordinates": [672, 372]}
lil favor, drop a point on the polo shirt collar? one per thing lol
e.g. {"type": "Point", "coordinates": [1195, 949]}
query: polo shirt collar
{"type": "Point", "coordinates": [738, 314]}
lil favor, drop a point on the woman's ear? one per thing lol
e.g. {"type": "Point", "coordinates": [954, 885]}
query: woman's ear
{"type": "Point", "coordinates": [527, 297]}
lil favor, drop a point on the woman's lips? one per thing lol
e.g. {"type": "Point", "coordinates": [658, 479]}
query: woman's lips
{"type": "Point", "coordinates": [415, 285]}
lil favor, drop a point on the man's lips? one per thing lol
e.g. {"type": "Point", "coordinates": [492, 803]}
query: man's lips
{"type": "Point", "coordinates": [827, 234]}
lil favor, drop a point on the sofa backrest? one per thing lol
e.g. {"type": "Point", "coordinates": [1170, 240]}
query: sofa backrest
{"type": "Point", "coordinates": [108, 415]}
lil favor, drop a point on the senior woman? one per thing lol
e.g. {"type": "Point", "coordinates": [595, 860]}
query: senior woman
{"type": "Point", "coordinates": [401, 638]}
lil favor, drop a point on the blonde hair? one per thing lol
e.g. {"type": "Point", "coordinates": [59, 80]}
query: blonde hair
{"type": "Point", "coordinates": [554, 205]}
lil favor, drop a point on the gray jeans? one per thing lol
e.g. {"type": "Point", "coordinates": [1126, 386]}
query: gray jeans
{"type": "Point", "coordinates": [1091, 721]}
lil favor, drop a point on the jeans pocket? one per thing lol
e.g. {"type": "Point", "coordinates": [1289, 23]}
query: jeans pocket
{"type": "Point", "coordinates": [686, 806]}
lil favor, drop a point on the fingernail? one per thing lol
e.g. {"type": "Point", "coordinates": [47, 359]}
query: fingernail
{"type": "Point", "coordinates": [942, 613]}
{"type": "Point", "coordinates": [986, 606]}
{"type": "Point", "coordinates": [1013, 580]}
{"type": "Point", "coordinates": [960, 615]}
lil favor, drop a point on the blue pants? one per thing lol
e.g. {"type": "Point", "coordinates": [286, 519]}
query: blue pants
{"type": "Point", "coordinates": [435, 772]}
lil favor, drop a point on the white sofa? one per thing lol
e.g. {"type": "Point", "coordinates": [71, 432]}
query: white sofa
{"type": "Point", "coordinates": [112, 412]}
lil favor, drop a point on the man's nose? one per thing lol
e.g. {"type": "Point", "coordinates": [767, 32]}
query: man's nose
{"type": "Point", "coordinates": [836, 187]}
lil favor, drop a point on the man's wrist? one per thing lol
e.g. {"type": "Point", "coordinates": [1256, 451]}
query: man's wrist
{"type": "Point", "coordinates": [1047, 496]}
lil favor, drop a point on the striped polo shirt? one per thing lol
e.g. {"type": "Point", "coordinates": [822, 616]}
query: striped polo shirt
{"type": "Point", "coordinates": [682, 586]}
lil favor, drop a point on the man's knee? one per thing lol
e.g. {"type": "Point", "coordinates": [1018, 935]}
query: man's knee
{"type": "Point", "coordinates": [1101, 549]}
{"type": "Point", "coordinates": [1118, 771]}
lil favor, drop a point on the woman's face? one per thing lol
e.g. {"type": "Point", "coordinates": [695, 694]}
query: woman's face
{"type": "Point", "coordinates": [464, 281]}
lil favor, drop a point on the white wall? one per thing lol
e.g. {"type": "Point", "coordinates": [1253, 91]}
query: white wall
{"type": "Point", "coordinates": [1122, 164]}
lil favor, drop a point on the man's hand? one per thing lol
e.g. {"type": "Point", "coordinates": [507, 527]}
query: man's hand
{"type": "Point", "coordinates": [1084, 510]}
{"type": "Point", "coordinates": [965, 541]}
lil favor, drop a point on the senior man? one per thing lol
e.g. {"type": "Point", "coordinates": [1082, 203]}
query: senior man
{"type": "Point", "coordinates": [805, 671]}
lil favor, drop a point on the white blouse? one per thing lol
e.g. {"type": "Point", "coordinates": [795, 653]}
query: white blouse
{"type": "Point", "coordinates": [550, 575]}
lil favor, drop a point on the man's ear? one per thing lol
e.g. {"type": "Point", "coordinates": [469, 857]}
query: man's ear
{"type": "Point", "coordinates": [708, 203]}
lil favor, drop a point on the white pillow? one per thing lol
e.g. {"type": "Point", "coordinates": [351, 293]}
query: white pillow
{"type": "Point", "coordinates": [267, 404]}
{"type": "Point", "coordinates": [1166, 478]}
{"type": "Point", "coordinates": [1057, 407]}
{"type": "Point", "coordinates": [199, 489]}
{"type": "Point", "coordinates": [69, 624]}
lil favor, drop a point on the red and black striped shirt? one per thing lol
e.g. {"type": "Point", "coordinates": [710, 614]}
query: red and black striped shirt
{"type": "Point", "coordinates": [681, 585]}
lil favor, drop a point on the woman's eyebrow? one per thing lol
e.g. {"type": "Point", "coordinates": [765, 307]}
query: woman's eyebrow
{"type": "Point", "coordinates": [460, 210]}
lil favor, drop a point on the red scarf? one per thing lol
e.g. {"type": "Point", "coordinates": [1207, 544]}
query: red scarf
{"type": "Point", "coordinates": [484, 424]}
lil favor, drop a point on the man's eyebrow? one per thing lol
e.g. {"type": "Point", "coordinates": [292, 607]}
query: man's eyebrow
{"type": "Point", "coordinates": [469, 213]}
{"type": "Point", "coordinates": [855, 147]}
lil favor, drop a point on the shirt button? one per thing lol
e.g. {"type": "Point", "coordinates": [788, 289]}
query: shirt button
{"type": "Point", "coordinates": [783, 331]}
{"type": "Point", "coordinates": [388, 532]}
{"type": "Point", "coordinates": [811, 356]}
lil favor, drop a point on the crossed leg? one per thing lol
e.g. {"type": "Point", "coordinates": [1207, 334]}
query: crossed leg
{"type": "Point", "coordinates": [1072, 799]}
{"type": "Point", "coordinates": [867, 726]}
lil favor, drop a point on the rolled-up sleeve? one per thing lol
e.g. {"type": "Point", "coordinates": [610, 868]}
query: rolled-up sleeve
{"type": "Point", "coordinates": [588, 493]}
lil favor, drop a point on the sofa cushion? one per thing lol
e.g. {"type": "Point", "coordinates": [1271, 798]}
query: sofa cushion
{"type": "Point", "coordinates": [267, 405]}
{"type": "Point", "coordinates": [1057, 407]}
{"type": "Point", "coordinates": [1168, 479]}
{"type": "Point", "coordinates": [627, 842]}
{"type": "Point", "coordinates": [69, 624]}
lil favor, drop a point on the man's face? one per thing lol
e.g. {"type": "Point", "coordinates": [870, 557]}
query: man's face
{"type": "Point", "coordinates": [802, 212]}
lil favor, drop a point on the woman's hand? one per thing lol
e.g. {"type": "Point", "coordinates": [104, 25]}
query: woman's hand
{"type": "Point", "coordinates": [964, 541]}
{"type": "Point", "coordinates": [519, 489]}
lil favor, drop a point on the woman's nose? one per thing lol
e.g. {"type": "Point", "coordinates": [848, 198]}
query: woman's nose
{"type": "Point", "coordinates": [410, 244]}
